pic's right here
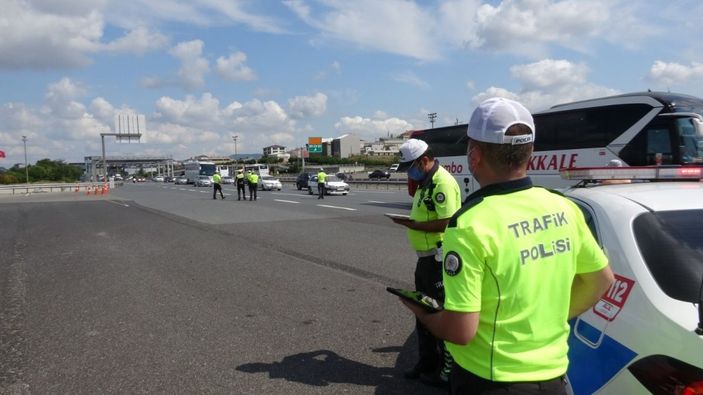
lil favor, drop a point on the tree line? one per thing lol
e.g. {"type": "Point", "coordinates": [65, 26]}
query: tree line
{"type": "Point", "coordinates": [45, 170]}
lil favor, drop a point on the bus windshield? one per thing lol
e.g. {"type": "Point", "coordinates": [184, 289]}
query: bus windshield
{"type": "Point", "coordinates": [690, 140]}
{"type": "Point", "coordinates": [207, 170]}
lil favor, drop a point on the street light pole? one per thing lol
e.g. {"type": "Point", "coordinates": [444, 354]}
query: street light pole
{"type": "Point", "coordinates": [432, 116]}
{"type": "Point", "coordinates": [26, 168]}
{"type": "Point", "coordinates": [235, 138]}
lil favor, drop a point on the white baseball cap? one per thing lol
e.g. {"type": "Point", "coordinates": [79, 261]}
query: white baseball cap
{"type": "Point", "coordinates": [494, 116]}
{"type": "Point", "coordinates": [410, 151]}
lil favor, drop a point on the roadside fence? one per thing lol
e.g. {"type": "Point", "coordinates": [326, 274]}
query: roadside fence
{"type": "Point", "coordinates": [89, 188]}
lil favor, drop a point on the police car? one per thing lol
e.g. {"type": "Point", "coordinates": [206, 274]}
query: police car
{"type": "Point", "coordinates": [645, 334]}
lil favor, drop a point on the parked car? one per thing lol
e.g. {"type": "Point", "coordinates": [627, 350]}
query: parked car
{"type": "Point", "coordinates": [333, 186]}
{"type": "Point", "coordinates": [302, 180]}
{"type": "Point", "coordinates": [203, 181]}
{"type": "Point", "coordinates": [269, 183]}
{"type": "Point", "coordinates": [379, 174]}
{"type": "Point", "coordinates": [182, 180]}
{"type": "Point", "coordinates": [158, 179]}
{"type": "Point", "coordinates": [644, 335]}
{"type": "Point", "coordinates": [228, 180]}
{"type": "Point", "coordinates": [344, 176]}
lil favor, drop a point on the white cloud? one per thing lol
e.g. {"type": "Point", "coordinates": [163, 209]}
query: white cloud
{"type": "Point", "coordinates": [410, 78]}
{"type": "Point", "coordinates": [31, 39]}
{"type": "Point", "coordinates": [666, 75]}
{"type": "Point", "coordinates": [547, 83]}
{"type": "Point", "coordinates": [549, 73]}
{"type": "Point", "coordinates": [193, 65]}
{"type": "Point", "coordinates": [233, 67]}
{"type": "Point", "coordinates": [49, 34]}
{"type": "Point", "coordinates": [202, 13]}
{"type": "Point", "coordinates": [393, 26]}
{"type": "Point", "coordinates": [371, 129]}
{"type": "Point", "coordinates": [307, 106]}
{"type": "Point", "coordinates": [103, 110]}
{"type": "Point", "coordinates": [139, 41]}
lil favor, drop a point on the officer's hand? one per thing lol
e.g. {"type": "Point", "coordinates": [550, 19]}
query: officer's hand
{"type": "Point", "coordinates": [417, 310]}
{"type": "Point", "coordinates": [402, 221]}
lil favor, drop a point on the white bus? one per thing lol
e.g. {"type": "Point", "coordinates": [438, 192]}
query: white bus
{"type": "Point", "coordinates": [196, 168]}
{"type": "Point", "coordinates": [261, 169]}
{"type": "Point", "coordinates": [640, 129]}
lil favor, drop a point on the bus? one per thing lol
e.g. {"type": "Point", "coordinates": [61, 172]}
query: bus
{"type": "Point", "coordinates": [259, 168]}
{"type": "Point", "coordinates": [196, 168]}
{"type": "Point", "coordinates": [639, 129]}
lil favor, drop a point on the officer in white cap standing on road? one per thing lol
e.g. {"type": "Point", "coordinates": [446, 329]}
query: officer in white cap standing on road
{"type": "Point", "coordinates": [436, 199]}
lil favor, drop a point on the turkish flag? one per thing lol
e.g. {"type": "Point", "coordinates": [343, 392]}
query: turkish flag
{"type": "Point", "coordinates": [2, 154]}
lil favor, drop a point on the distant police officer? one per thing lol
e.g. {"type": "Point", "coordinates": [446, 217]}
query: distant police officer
{"type": "Point", "coordinates": [253, 180]}
{"type": "Point", "coordinates": [519, 262]}
{"type": "Point", "coordinates": [436, 199]}
{"type": "Point", "coordinates": [216, 185]}
{"type": "Point", "coordinates": [321, 178]}
{"type": "Point", "coordinates": [241, 181]}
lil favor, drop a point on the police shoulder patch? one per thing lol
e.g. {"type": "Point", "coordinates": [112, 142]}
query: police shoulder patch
{"type": "Point", "coordinates": [452, 264]}
{"type": "Point", "coordinates": [439, 197]}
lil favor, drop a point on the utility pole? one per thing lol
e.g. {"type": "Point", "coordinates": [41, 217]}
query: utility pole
{"type": "Point", "coordinates": [26, 167]}
{"type": "Point", "coordinates": [235, 138]}
{"type": "Point", "coordinates": [432, 116]}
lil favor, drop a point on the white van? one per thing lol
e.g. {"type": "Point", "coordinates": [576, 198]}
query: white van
{"type": "Point", "coordinates": [394, 167]}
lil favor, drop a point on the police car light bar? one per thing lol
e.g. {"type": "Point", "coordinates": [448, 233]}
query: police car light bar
{"type": "Point", "coordinates": [632, 173]}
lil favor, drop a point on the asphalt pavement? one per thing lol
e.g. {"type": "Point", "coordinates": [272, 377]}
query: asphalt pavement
{"type": "Point", "coordinates": [158, 288]}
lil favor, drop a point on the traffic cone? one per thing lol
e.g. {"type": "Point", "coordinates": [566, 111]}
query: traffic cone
{"type": "Point", "coordinates": [78, 187]}
{"type": "Point", "coordinates": [96, 189]}
{"type": "Point", "coordinates": [104, 190]}
{"type": "Point", "coordinates": [87, 190]}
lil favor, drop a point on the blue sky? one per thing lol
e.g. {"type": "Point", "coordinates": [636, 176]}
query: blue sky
{"type": "Point", "coordinates": [278, 72]}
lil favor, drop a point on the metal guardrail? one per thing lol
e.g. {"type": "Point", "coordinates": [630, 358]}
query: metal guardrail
{"type": "Point", "coordinates": [48, 188]}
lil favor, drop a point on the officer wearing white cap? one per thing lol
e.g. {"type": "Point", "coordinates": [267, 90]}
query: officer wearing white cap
{"type": "Point", "coordinates": [436, 199]}
{"type": "Point", "coordinates": [519, 262]}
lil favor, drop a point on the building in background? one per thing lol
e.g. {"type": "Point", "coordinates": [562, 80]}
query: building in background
{"type": "Point", "coordinates": [345, 146]}
{"type": "Point", "coordinates": [277, 151]}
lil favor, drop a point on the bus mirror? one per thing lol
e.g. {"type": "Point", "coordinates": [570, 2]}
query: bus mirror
{"type": "Point", "coordinates": [698, 124]}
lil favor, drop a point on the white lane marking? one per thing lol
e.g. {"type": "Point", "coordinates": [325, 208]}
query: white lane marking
{"type": "Point", "coordinates": [376, 201]}
{"type": "Point", "coordinates": [285, 201]}
{"type": "Point", "coordinates": [337, 207]}
{"type": "Point", "coordinates": [367, 191]}
{"type": "Point", "coordinates": [288, 194]}
{"type": "Point", "coordinates": [118, 203]}
{"type": "Point", "coordinates": [204, 191]}
{"type": "Point", "coordinates": [184, 189]}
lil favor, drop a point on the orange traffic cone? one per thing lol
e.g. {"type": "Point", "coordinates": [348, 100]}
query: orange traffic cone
{"type": "Point", "coordinates": [87, 190]}
{"type": "Point", "coordinates": [104, 189]}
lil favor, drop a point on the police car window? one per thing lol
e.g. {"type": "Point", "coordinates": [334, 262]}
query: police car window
{"type": "Point", "coordinates": [590, 220]}
{"type": "Point", "coordinates": [671, 244]}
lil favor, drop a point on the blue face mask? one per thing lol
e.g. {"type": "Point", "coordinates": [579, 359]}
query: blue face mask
{"type": "Point", "coordinates": [416, 174]}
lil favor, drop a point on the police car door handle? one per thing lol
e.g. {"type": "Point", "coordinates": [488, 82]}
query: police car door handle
{"type": "Point", "coordinates": [585, 340]}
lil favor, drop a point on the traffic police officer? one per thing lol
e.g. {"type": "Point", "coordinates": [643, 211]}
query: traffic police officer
{"type": "Point", "coordinates": [216, 186]}
{"type": "Point", "coordinates": [253, 180]}
{"type": "Point", "coordinates": [519, 262]}
{"type": "Point", "coordinates": [241, 192]}
{"type": "Point", "coordinates": [436, 199]}
{"type": "Point", "coordinates": [321, 178]}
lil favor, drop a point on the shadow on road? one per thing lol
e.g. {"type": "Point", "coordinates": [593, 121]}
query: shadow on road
{"type": "Point", "coordinates": [324, 367]}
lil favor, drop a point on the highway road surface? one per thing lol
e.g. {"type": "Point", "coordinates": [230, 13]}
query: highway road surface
{"type": "Point", "coordinates": [158, 288]}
